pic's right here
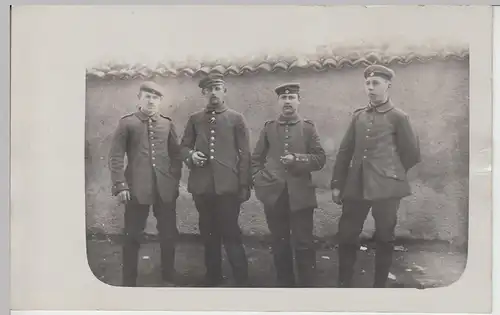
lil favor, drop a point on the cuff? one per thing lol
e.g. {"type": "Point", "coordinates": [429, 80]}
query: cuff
{"type": "Point", "coordinates": [116, 188]}
{"type": "Point", "coordinates": [301, 158]}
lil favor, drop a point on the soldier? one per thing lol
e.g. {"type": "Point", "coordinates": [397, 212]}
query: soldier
{"type": "Point", "coordinates": [216, 148]}
{"type": "Point", "coordinates": [286, 153]}
{"type": "Point", "coordinates": [370, 171]}
{"type": "Point", "coordinates": [151, 178]}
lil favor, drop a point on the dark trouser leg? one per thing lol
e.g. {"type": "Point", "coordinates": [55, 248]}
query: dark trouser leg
{"type": "Point", "coordinates": [136, 216]}
{"type": "Point", "coordinates": [278, 222]}
{"type": "Point", "coordinates": [354, 213]}
{"type": "Point", "coordinates": [385, 215]}
{"type": "Point", "coordinates": [228, 211]}
{"type": "Point", "coordinates": [205, 204]}
{"type": "Point", "coordinates": [166, 219]}
{"type": "Point", "coordinates": [305, 254]}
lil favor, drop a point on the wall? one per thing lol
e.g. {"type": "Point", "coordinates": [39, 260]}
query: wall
{"type": "Point", "coordinates": [434, 93]}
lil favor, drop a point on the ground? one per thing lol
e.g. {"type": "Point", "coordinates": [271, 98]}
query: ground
{"type": "Point", "coordinates": [416, 265]}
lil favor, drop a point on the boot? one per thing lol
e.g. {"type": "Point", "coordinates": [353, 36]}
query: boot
{"type": "Point", "coordinates": [283, 264]}
{"type": "Point", "coordinates": [213, 259]}
{"type": "Point", "coordinates": [238, 261]}
{"type": "Point", "coordinates": [383, 262]}
{"type": "Point", "coordinates": [306, 267]}
{"type": "Point", "coordinates": [130, 257]}
{"type": "Point", "coordinates": [347, 259]}
{"type": "Point", "coordinates": [167, 248]}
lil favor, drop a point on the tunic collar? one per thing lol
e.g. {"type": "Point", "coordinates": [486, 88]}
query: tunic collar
{"type": "Point", "coordinates": [381, 108]}
{"type": "Point", "coordinates": [145, 117]}
{"type": "Point", "coordinates": [218, 109]}
{"type": "Point", "coordinates": [288, 120]}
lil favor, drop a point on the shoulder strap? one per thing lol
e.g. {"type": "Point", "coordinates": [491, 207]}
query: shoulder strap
{"type": "Point", "coordinates": [127, 115]}
{"type": "Point", "coordinates": [166, 117]}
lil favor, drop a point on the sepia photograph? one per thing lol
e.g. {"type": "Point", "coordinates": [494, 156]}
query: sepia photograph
{"type": "Point", "coordinates": [339, 164]}
{"type": "Point", "coordinates": [252, 158]}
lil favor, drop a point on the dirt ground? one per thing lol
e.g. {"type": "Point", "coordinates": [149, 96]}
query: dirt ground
{"type": "Point", "coordinates": [420, 265]}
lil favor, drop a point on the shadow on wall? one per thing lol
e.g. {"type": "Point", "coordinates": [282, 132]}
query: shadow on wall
{"type": "Point", "coordinates": [435, 95]}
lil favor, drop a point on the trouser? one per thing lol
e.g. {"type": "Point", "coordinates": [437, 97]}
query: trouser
{"type": "Point", "coordinates": [292, 232]}
{"type": "Point", "coordinates": [218, 223]}
{"type": "Point", "coordinates": [136, 216]}
{"type": "Point", "coordinates": [354, 213]}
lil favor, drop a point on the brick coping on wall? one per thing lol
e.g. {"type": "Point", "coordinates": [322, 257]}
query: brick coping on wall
{"type": "Point", "coordinates": [323, 59]}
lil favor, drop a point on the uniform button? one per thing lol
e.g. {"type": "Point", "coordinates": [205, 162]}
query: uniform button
{"type": "Point", "coordinates": [154, 165]}
{"type": "Point", "coordinates": [287, 137]}
{"type": "Point", "coordinates": [211, 157]}
{"type": "Point", "coordinates": [213, 112]}
{"type": "Point", "coordinates": [212, 138]}
{"type": "Point", "coordinates": [212, 144]}
{"type": "Point", "coordinates": [368, 129]}
{"type": "Point", "coordinates": [212, 131]}
{"type": "Point", "coordinates": [364, 157]}
{"type": "Point", "coordinates": [153, 144]}
{"type": "Point", "coordinates": [154, 158]}
{"type": "Point", "coordinates": [367, 137]}
{"type": "Point", "coordinates": [212, 150]}
{"type": "Point", "coordinates": [286, 151]}
{"type": "Point", "coordinates": [153, 151]}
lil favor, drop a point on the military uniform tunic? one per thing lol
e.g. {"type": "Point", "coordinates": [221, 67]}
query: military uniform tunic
{"type": "Point", "coordinates": [376, 152]}
{"type": "Point", "coordinates": [222, 135]}
{"type": "Point", "coordinates": [271, 176]}
{"type": "Point", "coordinates": [153, 157]}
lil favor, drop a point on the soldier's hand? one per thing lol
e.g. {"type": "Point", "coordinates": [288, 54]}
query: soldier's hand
{"type": "Point", "coordinates": [244, 194]}
{"type": "Point", "coordinates": [336, 196]}
{"type": "Point", "coordinates": [199, 158]}
{"type": "Point", "coordinates": [124, 196]}
{"type": "Point", "coordinates": [287, 159]}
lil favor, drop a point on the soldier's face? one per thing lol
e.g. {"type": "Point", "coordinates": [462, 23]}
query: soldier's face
{"type": "Point", "coordinates": [215, 94]}
{"type": "Point", "coordinates": [377, 88]}
{"type": "Point", "coordinates": [149, 102]}
{"type": "Point", "coordinates": [288, 103]}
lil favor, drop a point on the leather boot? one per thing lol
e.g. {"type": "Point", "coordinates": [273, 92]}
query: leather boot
{"type": "Point", "coordinates": [213, 261]}
{"type": "Point", "coordinates": [383, 262]}
{"type": "Point", "coordinates": [238, 261]}
{"type": "Point", "coordinates": [306, 267]}
{"type": "Point", "coordinates": [347, 258]}
{"type": "Point", "coordinates": [283, 264]}
{"type": "Point", "coordinates": [167, 248]}
{"type": "Point", "coordinates": [130, 257]}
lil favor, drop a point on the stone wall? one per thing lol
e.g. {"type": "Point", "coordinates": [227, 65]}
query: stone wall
{"type": "Point", "coordinates": [435, 93]}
